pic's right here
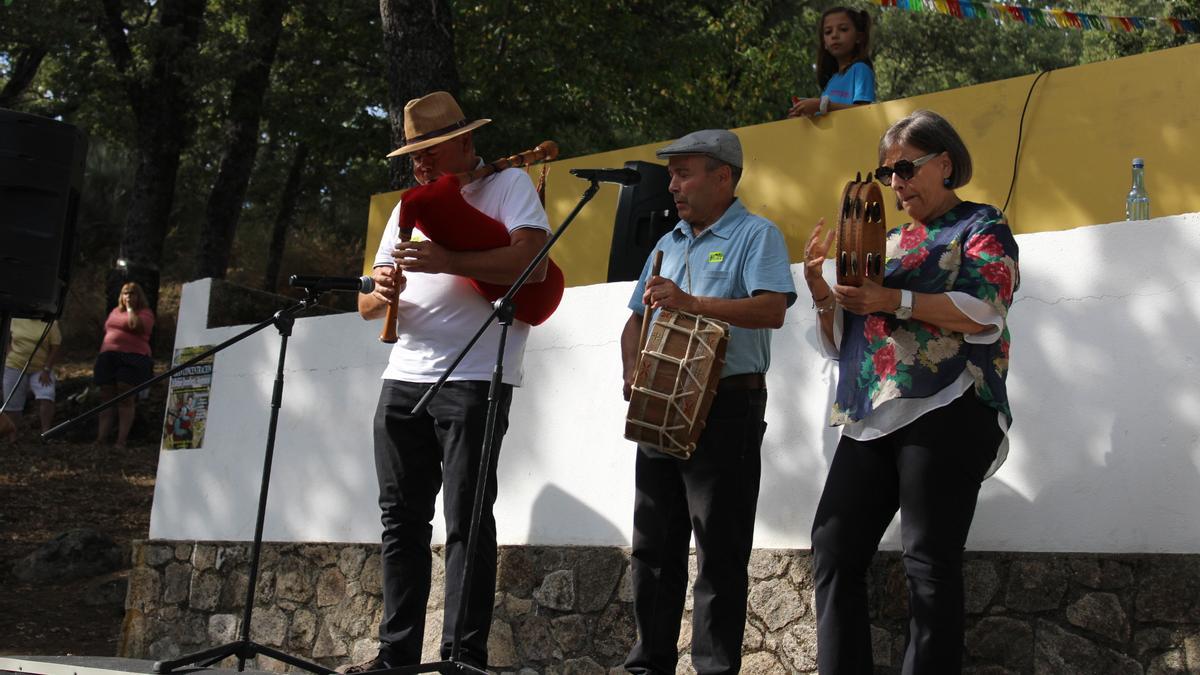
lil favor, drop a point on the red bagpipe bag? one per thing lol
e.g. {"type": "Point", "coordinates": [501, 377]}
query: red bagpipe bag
{"type": "Point", "coordinates": [439, 211]}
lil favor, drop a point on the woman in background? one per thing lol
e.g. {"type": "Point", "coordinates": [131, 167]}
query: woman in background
{"type": "Point", "coordinates": [124, 361]}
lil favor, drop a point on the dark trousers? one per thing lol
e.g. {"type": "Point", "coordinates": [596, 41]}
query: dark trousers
{"type": "Point", "coordinates": [414, 456]}
{"type": "Point", "coordinates": [931, 471]}
{"type": "Point", "coordinates": [713, 495]}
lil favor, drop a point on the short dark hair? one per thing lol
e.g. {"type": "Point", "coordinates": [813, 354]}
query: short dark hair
{"type": "Point", "coordinates": [930, 132]}
{"type": "Point", "coordinates": [712, 164]}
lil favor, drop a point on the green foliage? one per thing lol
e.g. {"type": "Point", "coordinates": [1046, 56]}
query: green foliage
{"type": "Point", "coordinates": [594, 76]}
{"type": "Point", "coordinates": [601, 75]}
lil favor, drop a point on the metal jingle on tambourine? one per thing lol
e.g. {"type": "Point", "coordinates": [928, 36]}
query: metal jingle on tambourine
{"type": "Point", "coordinates": [846, 208]}
{"type": "Point", "coordinates": [854, 263]}
{"type": "Point", "coordinates": [843, 263]}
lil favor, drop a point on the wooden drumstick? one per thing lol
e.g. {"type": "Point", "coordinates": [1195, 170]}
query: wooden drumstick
{"type": "Point", "coordinates": [657, 267]}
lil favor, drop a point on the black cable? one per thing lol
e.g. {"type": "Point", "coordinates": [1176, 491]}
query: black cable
{"type": "Point", "coordinates": [1020, 131]}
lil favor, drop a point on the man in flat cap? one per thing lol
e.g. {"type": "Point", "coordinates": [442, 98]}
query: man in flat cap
{"type": "Point", "coordinates": [438, 310]}
{"type": "Point", "coordinates": [722, 262]}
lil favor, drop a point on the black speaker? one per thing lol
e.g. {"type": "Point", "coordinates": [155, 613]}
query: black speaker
{"type": "Point", "coordinates": [645, 212]}
{"type": "Point", "coordinates": [41, 176]}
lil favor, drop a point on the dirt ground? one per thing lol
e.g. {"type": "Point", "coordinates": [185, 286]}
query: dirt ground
{"type": "Point", "coordinates": [47, 488]}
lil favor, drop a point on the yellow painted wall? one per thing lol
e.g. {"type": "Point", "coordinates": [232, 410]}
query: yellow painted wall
{"type": "Point", "coordinates": [1082, 128]}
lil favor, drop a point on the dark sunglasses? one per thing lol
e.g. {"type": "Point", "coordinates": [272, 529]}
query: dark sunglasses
{"type": "Point", "coordinates": [904, 169]}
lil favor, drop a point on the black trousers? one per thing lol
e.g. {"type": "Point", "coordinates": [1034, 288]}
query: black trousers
{"type": "Point", "coordinates": [713, 495]}
{"type": "Point", "coordinates": [931, 471]}
{"type": "Point", "coordinates": [414, 456]}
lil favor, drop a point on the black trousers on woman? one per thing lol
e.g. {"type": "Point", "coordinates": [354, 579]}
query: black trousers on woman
{"type": "Point", "coordinates": [931, 471]}
{"type": "Point", "coordinates": [713, 495]}
{"type": "Point", "coordinates": [414, 456]}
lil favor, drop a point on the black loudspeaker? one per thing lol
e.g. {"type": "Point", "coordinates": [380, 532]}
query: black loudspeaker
{"type": "Point", "coordinates": [645, 212]}
{"type": "Point", "coordinates": [41, 176]}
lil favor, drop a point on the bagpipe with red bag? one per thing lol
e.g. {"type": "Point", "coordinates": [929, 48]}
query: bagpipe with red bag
{"type": "Point", "coordinates": [439, 210]}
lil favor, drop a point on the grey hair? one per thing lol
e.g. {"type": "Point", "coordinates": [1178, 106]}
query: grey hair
{"type": "Point", "coordinates": [930, 132]}
{"type": "Point", "coordinates": [712, 164]}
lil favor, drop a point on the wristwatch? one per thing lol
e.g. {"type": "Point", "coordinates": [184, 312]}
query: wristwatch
{"type": "Point", "coordinates": [904, 311]}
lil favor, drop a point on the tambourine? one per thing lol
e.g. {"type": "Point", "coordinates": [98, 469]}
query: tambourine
{"type": "Point", "coordinates": [862, 233]}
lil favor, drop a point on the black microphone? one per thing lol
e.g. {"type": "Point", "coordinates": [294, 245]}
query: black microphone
{"type": "Point", "coordinates": [618, 176]}
{"type": "Point", "coordinates": [349, 284]}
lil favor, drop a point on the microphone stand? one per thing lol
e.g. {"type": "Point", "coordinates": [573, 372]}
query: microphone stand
{"type": "Point", "coordinates": [243, 648]}
{"type": "Point", "coordinates": [503, 312]}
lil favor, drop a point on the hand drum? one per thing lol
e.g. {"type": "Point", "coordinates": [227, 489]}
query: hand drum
{"type": "Point", "coordinates": [862, 232]}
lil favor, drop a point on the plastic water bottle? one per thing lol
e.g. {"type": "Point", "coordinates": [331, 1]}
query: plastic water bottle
{"type": "Point", "coordinates": [1137, 204]}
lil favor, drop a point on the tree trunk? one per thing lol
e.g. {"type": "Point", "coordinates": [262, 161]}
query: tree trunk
{"type": "Point", "coordinates": [241, 138]}
{"type": "Point", "coordinates": [418, 36]}
{"type": "Point", "coordinates": [25, 67]}
{"type": "Point", "coordinates": [283, 219]}
{"type": "Point", "coordinates": [162, 104]}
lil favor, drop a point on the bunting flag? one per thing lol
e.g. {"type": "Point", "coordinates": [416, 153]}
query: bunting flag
{"type": "Point", "coordinates": [1046, 18]}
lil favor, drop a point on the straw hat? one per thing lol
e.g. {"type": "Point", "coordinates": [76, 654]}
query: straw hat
{"type": "Point", "coordinates": [431, 119]}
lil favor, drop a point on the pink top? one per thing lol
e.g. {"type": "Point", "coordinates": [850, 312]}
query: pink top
{"type": "Point", "coordinates": [118, 337]}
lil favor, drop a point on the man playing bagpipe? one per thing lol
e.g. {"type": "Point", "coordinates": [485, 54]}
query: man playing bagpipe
{"type": "Point", "coordinates": [438, 298]}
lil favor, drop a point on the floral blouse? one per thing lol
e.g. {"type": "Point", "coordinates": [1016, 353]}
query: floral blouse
{"type": "Point", "coordinates": [969, 249]}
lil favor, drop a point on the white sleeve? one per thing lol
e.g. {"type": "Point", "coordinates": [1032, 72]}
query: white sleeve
{"type": "Point", "coordinates": [980, 312]}
{"type": "Point", "coordinates": [831, 350]}
{"type": "Point", "coordinates": [391, 235]}
{"type": "Point", "coordinates": [520, 206]}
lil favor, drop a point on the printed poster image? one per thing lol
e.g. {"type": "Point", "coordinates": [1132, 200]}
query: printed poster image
{"type": "Point", "coordinates": [187, 401]}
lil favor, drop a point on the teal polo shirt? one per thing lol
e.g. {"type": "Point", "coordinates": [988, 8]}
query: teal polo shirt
{"type": "Point", "coordinates": [739, 254]}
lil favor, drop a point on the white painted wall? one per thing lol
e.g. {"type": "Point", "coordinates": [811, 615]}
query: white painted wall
{"type": "Point", "coordinates": [1105, 386]}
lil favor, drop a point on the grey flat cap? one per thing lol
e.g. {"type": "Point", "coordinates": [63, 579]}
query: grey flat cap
{"type": "Point", "coordinates": [716, 143]}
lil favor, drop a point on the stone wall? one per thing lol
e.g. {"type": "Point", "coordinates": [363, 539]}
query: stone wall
{"type": "Point", "coordinates": [567, 609]}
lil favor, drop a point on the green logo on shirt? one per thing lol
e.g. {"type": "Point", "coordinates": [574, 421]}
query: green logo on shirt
{"type": "Point", "coordinates": [716, 256]}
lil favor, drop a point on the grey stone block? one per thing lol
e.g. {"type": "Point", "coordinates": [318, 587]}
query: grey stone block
{"type": "Point", "coordinates": [1002, 641]}
{"type": "Point", "coordinates": [204, 593]}
{"type": "Point", "coordinates": [176, 582]}
{"type": "Point", "coordinates": [502, 653]}
{"type": "Point", "coordinates": [980, 582]}
{"type": "Point", "coordinates": [557, 591]}
{"type": "Point", "coordinates": [1102, 614]}
{"type": "Point", "coordinates": [1035, 585]}
{"type": "Point", "coordinates": [1058, 652]}
{"type": "Point", "coordinates": [1168, 592]}
{"type": "Point", "coordinates": [572, 633]}
{"type": "Point", "coordinates": [597, 573]}
{"type": "Point", "coordinates": [776, 602]}
{"type": "Point", "coordinates": [331, 587]}
{"type": "Point", "coordinates": [222, 628]}
{"type": "Point", "coordinates": [204, 556]}
{"type": "Point", "coordinates": [350, 561]}
{"type": "Point", "coordinates": [1103, 575]}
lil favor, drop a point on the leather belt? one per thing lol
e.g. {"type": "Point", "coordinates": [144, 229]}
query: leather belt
{"type": "Point", "coordinates": [743, 382]}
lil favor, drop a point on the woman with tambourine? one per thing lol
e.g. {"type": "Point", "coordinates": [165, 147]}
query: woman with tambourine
{"type": "Point", "coordinates": [922, 361]}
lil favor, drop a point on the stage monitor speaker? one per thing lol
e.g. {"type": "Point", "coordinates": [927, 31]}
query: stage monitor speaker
{"type": "Point", "coordinates": [41, 177]}
{"type": "Point", "coordinates": [645, 212]}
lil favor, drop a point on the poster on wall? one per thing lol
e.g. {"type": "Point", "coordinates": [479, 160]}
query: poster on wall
{"type": "Point", "coordinates": [187, 401]}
